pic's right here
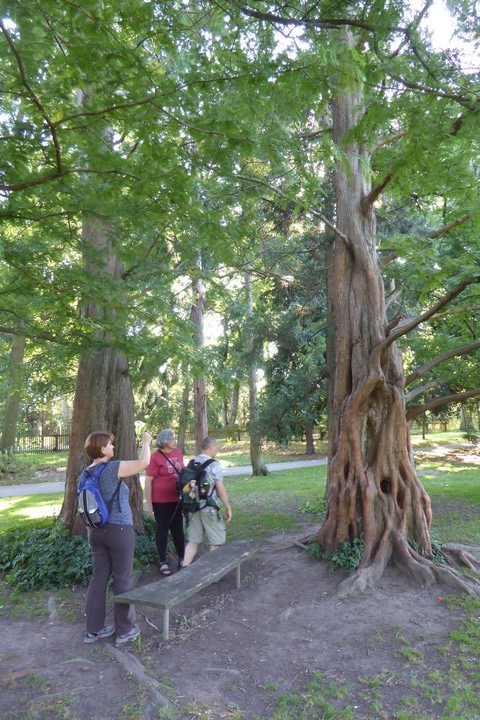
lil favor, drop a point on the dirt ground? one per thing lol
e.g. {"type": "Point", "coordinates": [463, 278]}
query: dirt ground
{"type": "Point", "coordinates": [232, 652]}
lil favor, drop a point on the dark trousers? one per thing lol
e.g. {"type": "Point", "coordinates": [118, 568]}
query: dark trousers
{"type": "Point", "coordinates": [112, 547]}
{"type": "Point", "coordinates": [168, 516]}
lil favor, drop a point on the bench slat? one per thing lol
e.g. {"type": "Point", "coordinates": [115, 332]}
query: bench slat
{"type": "Point", "coordinates": [176, 588]}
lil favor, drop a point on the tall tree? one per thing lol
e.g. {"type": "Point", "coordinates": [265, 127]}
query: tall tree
{"type": "Point", "coordinates": [373, 489]}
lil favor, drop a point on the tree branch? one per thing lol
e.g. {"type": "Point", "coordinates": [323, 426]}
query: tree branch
{"type": "Point", "coordinates": [465, 100]}
{"type": "Point", "coordinates": [368, 201]}
{"type": "Point", "coordinates": [388, 140]}
{"type": "Point", "coordinates": [316, 213]}
{"type": "Point", "coordinates": [420, 390]}
{"type": "Point", "coordinates": [326, 23]}
{"type": "Point", "coordinates": [449, 226]}
{"type": "Point", "coordinates": [438, 402]}
{"type": "Point", "coordinates": [406, 326]}
{"type": "Point", "coordinates": [33, 96]}
{"type": "Point", "coordinates": [423, 369]}
{"type": "Point", "coordinates": [36, 336]}
{"type": "Point", "coordinates": [63, 173]}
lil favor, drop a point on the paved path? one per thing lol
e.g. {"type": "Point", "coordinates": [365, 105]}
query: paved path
{"type": "Point", "coordinates": [59, 486]}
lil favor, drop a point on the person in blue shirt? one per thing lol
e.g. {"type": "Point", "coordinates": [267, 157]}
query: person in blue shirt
{"type": "Point", "coordinates": [112, 546]}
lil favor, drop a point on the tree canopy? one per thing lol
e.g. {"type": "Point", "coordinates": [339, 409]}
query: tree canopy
{"type": "Point", "coordinates": [138, 137]}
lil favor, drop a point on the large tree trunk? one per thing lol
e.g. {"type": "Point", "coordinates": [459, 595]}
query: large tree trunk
{"type": "Point", "coordinates": [373, 489]}
{"type": "Point", "coordinates": [103, 401]}
{"type": "Point", "coordinates": [103, 393]}
{"type": "Point", "coordinates": [12, 402]}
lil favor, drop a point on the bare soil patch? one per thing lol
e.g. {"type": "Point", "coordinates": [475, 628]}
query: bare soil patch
{"type": "Point", "coordinates": [233, 652]}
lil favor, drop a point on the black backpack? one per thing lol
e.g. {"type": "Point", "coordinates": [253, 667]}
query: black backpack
{"type": "Point", "coordinates": [194, 487]}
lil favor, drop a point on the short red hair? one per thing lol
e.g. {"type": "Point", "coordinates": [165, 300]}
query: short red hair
{"type": "Point", "coordinates": [96, 441]}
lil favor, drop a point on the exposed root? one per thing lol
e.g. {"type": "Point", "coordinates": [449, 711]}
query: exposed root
{"type": "Point", "coordinates": [305, 542]}
{"type": "Point", "coordinates": [457, 556]}
{"type": "Point", "coordinates": [422, 570]}
{"type": "Point", "coordinates": [456, 580]}
{"type": "Point", "coordinates": [135, 668]}
{"type": "Point", "coordinates": [358, 583]}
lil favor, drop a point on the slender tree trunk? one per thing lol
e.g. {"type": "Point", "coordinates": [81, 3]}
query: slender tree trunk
{"type": "Point", "coordinates": [373, 489]}
{"type": "Point", "coordinates": [12, 403]}
{"type": "Point", "coordinates": [258, 466]}
{"type": "Point", "coordinates": [199, 386]}
{"type": "Point", "coordinates": [235, 400]}
{"type": "Point", "coordinates": [184, 417]}
{"type": "Point", "coordinates": [309, 441]}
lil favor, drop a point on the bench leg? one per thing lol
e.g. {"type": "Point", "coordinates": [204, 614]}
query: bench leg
{"type": "Point", "coordinates": [166, 623]}
{"type": "Point", "coordinates": [239, 582]}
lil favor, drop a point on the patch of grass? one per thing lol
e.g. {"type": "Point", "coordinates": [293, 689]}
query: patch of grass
{"type": "Point", "coordinates": [16, 510]}
{"type": "Point", "coordinates": [236, 454]}
{"type": "Point", "coordinates": [446, 480]}
{"type": "Point", "coordinates": [16, 604]}
{"type": "Point", "coordinates": [320, 699]}
{"type": "Point", "coordinates": [21, 468]}
{"type": "Point", "coordinates": [271, 504]}
{"type": "Point", "coordinates": [410, 655]}
{"type": "Point", "coordinates": [452, 437]}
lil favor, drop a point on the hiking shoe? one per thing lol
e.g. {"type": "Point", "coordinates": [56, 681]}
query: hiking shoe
{"type": "Point", "coordinates": [103, 633]}
{"type": "Point", "coordinates": [132, 634]}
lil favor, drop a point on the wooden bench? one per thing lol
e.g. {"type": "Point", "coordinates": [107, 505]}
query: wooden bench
{"type": "Point", "coordinates": [174, 589]}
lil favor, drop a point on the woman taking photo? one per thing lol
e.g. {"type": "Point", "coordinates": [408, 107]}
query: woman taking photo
{"type": "Point", "coordinates": [112, 545]}
{"type": "Point", "coordinates": [162, 498]}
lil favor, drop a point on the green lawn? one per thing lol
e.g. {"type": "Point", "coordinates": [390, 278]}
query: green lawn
{"type": "Point", "coordinates": [14, 510]}
{"type": "Point", "coordinates": [454, 489]}
{"type": "Point", "coordinates": [277, 502]}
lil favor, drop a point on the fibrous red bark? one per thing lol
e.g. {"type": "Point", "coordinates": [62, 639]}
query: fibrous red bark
{"type": "Point", "coordinates": [373, 489]}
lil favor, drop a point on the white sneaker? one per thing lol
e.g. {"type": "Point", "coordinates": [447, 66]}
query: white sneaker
{"type": "Point", "coordinates": [103, 633]}
{"type": "Point", "coordinates": [132, 634]}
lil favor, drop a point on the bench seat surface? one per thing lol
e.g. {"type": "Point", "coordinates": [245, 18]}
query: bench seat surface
{"type": "Point", "coordinates": [171, 590]}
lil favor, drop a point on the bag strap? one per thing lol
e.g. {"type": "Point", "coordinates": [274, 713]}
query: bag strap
{"type": "Point", "coordinates": [97, 474]}
{"type": "Point", "coordinates": [203, 467]}
{"type": "Point", "coordinates": [116, 493]}
{"type": "Point", "coordinates": [168, 460]}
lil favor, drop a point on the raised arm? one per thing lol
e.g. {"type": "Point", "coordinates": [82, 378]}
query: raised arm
{"type": "Point", "coordinates": [147, 491]}
{"type": "Point", "coordinates": [132, 467]}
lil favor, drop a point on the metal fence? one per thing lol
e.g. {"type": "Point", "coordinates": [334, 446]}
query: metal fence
{"type": "Point", "coordinates": [43, 443]}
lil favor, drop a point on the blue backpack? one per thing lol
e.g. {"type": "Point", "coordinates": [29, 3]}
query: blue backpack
{"type": "Point", "coordinates": [92, 507]}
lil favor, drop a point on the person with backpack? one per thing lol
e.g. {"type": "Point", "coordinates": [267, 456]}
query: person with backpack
{"type": "Point", "coordinates": [112, 545]}
{"type": "Point", "coordinates": [162, 498]}
{"type": "Point", "coordinates": [208, 521]}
